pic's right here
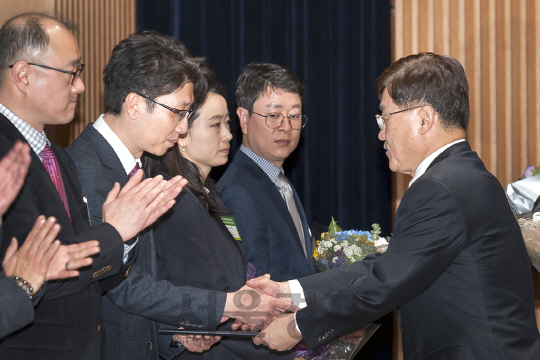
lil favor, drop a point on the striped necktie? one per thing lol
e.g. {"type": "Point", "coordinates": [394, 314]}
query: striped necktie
{"type": "Point", "coordinates": [51, 164]}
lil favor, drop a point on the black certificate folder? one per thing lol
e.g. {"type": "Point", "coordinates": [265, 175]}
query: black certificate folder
{"type": "Point", "coordinates": [228, 333]}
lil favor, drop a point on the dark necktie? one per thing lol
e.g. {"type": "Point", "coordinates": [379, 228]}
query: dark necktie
{"type": "Point", "coordinates": [135, 168]}
{"type": "Point", "coordinates": [286, 192]}
{"type": "Point", "coordinates": [51, 164]}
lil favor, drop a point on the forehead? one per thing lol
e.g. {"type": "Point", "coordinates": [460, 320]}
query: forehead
{"type": "Point", "coordinates": [277, 98]}
{"type": "Point", "coordinates": [386, 101]}
{"type": "Point", "coordinates": [182, 97]}
{"type": "Point", "coordinates": [63, 45]}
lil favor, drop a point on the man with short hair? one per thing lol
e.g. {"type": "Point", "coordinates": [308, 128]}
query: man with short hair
{"type": "Point", "coordinates": [456, 268]}
{"type": "Point", "coordinates": [272, 225]}
{"type": "Point", "coordinates": [39, 84]}
{"type": "Point", "coordinates": [151, 87]}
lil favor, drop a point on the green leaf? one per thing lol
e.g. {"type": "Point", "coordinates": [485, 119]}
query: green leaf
{"type": "Point", "coordinates": [333, 228]}
{"type": "Point", "coordinates": [536, 171]}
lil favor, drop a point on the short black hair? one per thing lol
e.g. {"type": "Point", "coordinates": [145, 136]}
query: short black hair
{"type": "Point", "coordinates": [258, 78]}
{"type": "Point", "coordinates": [23, 34]}
{"type": "Point", "coordinates": [151, 64]}
{"type": "Point", "coordinates": [429, 79]}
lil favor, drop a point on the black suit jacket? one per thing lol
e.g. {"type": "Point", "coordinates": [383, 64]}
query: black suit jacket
{"type": "Point", "coordinates": [196, 249]}
{"type": "Point", "coordinates": [68, 320]}
{"type": "Point", "coordinates": [132, 307]}
{"type": "Point", "coordinates": [456, 268]}
{"type": "Point", "coordinates": [269, 238]}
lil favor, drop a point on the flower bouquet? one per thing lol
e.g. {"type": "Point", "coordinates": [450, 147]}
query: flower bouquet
{"type": "Point", "coordinates": [531, 235]}
{"type": "Point", "coordinates": [336, 249]}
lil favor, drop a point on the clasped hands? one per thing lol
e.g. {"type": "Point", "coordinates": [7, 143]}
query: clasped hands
{"type": "Point", "coordinates": [279, 331]}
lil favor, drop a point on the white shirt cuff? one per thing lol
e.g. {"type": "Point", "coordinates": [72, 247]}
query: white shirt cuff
{"type": "Point", "coordinates": [298, 299]}
{"type": "Point", "coordinates": [297, 294]}
{"type": "Point", "coordinates": [127, 250]}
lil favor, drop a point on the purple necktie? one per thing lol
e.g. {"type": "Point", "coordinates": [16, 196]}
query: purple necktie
{"type": "Point", "coordinates": [135, 168]}
{"type": "Point", "coordinates": [51, 164]}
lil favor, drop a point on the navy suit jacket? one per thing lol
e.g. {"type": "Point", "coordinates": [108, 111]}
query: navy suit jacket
{"type": "Point", "coordinates": [456, 268]}
{"type": "Point", "coordinates": [132, 307]}
{"type": "Point", "coordinates": [68, 320]}
{"type": "Point", "coordinates": [269, 238]}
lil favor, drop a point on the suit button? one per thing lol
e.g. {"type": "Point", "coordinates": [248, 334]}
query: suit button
{"type": "Point", "coordinates": [150, 345]}
{"type": "Point", "coordinates": [98, 327]}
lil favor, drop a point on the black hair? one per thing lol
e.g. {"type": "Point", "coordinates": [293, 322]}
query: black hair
{"type": "Point", "coordinates": [151, 64]}
{"type": "Point", "coordinates": [259, 78]}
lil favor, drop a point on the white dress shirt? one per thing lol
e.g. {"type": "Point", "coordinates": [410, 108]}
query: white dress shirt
{"type": "Point", "coordinates": [127, 160]}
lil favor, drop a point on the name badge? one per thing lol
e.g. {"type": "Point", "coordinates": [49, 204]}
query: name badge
{"type": "Point", "coordinates": [231, 226]}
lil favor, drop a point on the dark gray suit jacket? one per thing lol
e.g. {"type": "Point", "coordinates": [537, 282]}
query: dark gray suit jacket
{"type": "Point", "coordinates": [269, 237]}
{"type": "Point", "coordinates": [16, 308]}
{"type": "Point", "coordinates": [140, 297]}
{"type": "Point", "coordinates": [456, 268]}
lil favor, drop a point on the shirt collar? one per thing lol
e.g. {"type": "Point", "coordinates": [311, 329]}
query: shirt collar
{"type": "Point", "coordinates": [269, 169]}
{"type": "Point", "coordinates": [37, 140]}
{"type": "Point", "coordinates": [421, 169]}
{"type": "Point", "coordinates": [121, 150]}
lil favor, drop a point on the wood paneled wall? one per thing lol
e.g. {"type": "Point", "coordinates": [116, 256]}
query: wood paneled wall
{"type": "Point", "coordinates": [498, 43]}
{"type": "Point", "coordinates": [101, 25]}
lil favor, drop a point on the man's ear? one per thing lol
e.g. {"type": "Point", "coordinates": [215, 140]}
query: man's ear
{"type": "Point", "coordinates": [427, 119]}
{"type": "Point", "coordinates": [135, 105]}
{"type": "Point", "coordinates": [19, 74]}
{"type": "Point", "coordinates": [243, 115]}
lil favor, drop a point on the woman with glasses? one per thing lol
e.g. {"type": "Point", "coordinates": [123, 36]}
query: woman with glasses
{"type": "Point", "coordinates": [194, 245]}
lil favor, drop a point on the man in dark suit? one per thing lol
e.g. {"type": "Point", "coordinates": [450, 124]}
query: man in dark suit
{"type": "Point", "coordinates": [151, 86]}
{"type": "Point", "coordinates": [41, 258]}
{"type": "Point", "coordinates": [39, 84]}
{"type": "Point", "coordinates": [456, 268]}
{"type": "Point", "coordinates": [273, 229]}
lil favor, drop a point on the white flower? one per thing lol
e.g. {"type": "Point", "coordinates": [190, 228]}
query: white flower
{"type": "Point", "coordinates": [536, 216]}
{"type": "Point", "coordinates": [348, 252]}
{"type": "Point", "coordinates": [382, 241]}
{"type": "Point", "coordinates": [335, 259]}
{"type": "Point", "coordinates": [321, 249]}
{"type": "Point", "coordinates": [337, 247]}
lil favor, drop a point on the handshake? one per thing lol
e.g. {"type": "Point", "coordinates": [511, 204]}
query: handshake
{"type": "Point", "coordinates": [262, 304]}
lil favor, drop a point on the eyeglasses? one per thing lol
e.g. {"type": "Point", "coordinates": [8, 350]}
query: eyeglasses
{"type": "Point", "coordinates": [74, 74]}
{"type": "Point", "coordinates": [381, 118]}
{"type": "Point", "coordinates": [274, 120]}
{"type": "Point", "coordinates": [181, 115]}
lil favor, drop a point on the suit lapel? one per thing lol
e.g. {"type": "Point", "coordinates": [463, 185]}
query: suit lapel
{"type": "Point", "coordinates": [108, 157]}
{"type": "Point", "coordinates": [40, 178]}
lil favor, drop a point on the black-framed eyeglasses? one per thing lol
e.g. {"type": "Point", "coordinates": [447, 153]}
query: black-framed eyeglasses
{"type": "Point", "coordinates": [384, 117]}
{"type": "Point", "coordinates": [74, 74]}
{"type": "Point", "coordinates": [274, 120]}
{"type": "Point", "coordinates": [181, 115]}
